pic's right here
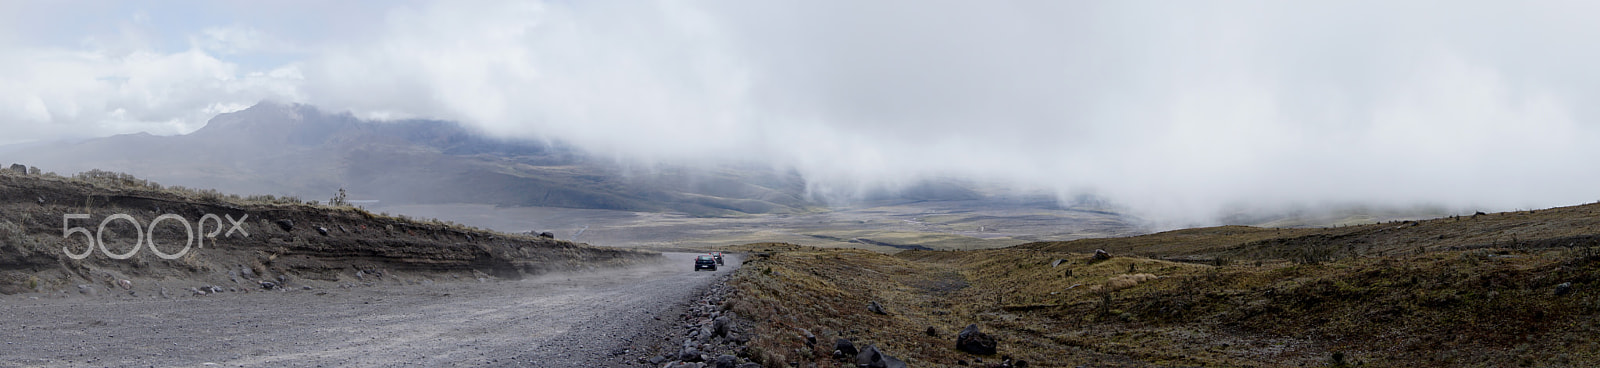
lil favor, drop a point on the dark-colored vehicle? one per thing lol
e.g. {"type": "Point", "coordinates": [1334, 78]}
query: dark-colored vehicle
{"type": "Point", "coordinates": [719, 257]}
{"type": "Point", "coordinates": [706, 261]}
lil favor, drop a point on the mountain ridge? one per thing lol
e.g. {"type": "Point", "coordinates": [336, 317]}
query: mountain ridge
{"type": "Point", "coordinates": [300, 150]}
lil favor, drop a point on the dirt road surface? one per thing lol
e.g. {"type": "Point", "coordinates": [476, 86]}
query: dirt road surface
{"type": "Point", "coordinates": [598, 318]}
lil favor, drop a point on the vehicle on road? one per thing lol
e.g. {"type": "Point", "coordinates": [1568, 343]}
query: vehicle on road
{"type": "Point", "coordinates": [719, 257]}
{"type": "Point", "coordinates": [706, 261]}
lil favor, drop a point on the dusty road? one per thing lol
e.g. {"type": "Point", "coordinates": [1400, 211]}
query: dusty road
{"type": "Point", "coordinates": [601, 318]}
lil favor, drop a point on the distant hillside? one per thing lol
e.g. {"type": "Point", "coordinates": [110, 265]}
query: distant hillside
{"type": "Point", "coordinates": [298, 150]}
{"type": "Point", "coordinates": [1571, 226]}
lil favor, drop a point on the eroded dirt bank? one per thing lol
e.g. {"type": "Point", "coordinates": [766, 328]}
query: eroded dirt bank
{"type": "Point", "coordinates": [104, 236]}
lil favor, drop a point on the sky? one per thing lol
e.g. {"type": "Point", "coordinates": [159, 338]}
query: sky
{"type": "Point", "coordinates": [1175, 109]}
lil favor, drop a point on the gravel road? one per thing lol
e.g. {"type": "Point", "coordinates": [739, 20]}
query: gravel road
{"type": "Point", "coordinates": [599, 318]}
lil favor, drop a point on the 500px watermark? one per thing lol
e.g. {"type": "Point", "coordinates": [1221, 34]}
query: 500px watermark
{"type": "Point", "coordinates": [147, 234]}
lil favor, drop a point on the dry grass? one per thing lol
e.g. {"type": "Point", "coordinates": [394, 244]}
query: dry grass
{"type": "Point", "coordinates": [1441, 292]}
{"type": "Point", "coordinates": [1572, 226]}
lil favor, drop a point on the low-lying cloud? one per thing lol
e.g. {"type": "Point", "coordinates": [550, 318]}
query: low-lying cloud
{"type": "Point", "coordinates": [1175, 109]}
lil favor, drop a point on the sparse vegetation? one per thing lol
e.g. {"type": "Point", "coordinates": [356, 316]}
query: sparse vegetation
{"type": "Point", "coordinates": [1444, 292]}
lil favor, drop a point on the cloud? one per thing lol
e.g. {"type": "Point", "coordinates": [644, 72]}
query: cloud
{"type": "Point", "coordinates": [119, 83]}
{"type": "Point", "coordinates": [1176, 109]}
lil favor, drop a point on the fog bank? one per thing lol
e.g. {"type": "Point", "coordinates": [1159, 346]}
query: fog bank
{"type": "Point", "coordinates": [1176, 110]}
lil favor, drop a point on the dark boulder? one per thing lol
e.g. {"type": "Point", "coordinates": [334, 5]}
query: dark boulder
{"type": "Point", "coordinates": [870, 358]}
{"type": "Point", "coordinates": [286, 224]}
{"type": "Point", "coordinates": [1564, 288]}
{"type": "Point", "coordinates": [973, 341]}
{"type": "Point", "coordinates": [873, 358]}
{"type": "Point", "coordinates": [844, 348]}
{"type": "Point", "coordinates": [322, 230]}
{"type": "Point", "coordinates": [889, 361]}
{"type": "Point", "coordinates": [547, 235]}
{"type": "Point", "coordinates": [20, 168]}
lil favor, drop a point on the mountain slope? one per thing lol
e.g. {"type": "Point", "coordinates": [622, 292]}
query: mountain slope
{"type": "Point", "coordinates": [298, 150]}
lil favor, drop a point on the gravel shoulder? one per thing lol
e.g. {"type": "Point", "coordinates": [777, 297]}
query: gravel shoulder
{"type": "Point", "coordinates": [591, 318]}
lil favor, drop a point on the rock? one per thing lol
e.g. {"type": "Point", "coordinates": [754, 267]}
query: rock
{"type": "Point", "coordinates": [125, 284]}
{"type": "Point", "coordinates": [322, 230]}
{"type": "Point", "coordinates": [20, 168]}
{"type": "Point", "coordinates": [720, 326]}
{"type": "Point", "coordinates": [269, 285]}
{"type": "Point", "coordinates": [890, 361]}
{"type": "Point", "coordinates": [870, 357]}
{"type": "Point", "coordinates": [873, 358]}
{"type": "Point", "coordinates": [811, 339]}
{"type": "Point", "coordinates": [1101, 255]}
{"type": "Point", "coordinates": [690, 354]}
{"type": "Point", "coordinates": [1564, 288]}
{"type": "Point", "coordinates": [1057, 262]}
{"type": "Point", "coordinates": [1020, 364]}
{"type": "Point", "coordinates": [726, 361]}
{"type": "Point", "coordinates": [655, 360]}
{"type": "Point", "coordinates": [286, 224]}
{"type": "Point", "coordinates": [749, 365]}
{"type": "Point", "coordinates": [247, 272]}
{"type": "Point", "coordinates": [843, 348]}
{"type": "Point", "coordinates": [973, 341]}
{"type": "Point", "coordinates": [875, 308]}
{"type": "Point", "coordinates": [547, 235]}
{"type": "Point", "coordinates": [88, 290]}
{"type": "Point", "coordinates": [932, 331]}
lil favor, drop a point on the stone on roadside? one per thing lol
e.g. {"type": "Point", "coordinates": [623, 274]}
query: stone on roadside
{"type": "Point", "coordinates": [726, 361]}
{"type": "Point", "coordinates": [721, 326]}
{"type": "Point", "coordinates": [690, 354]}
